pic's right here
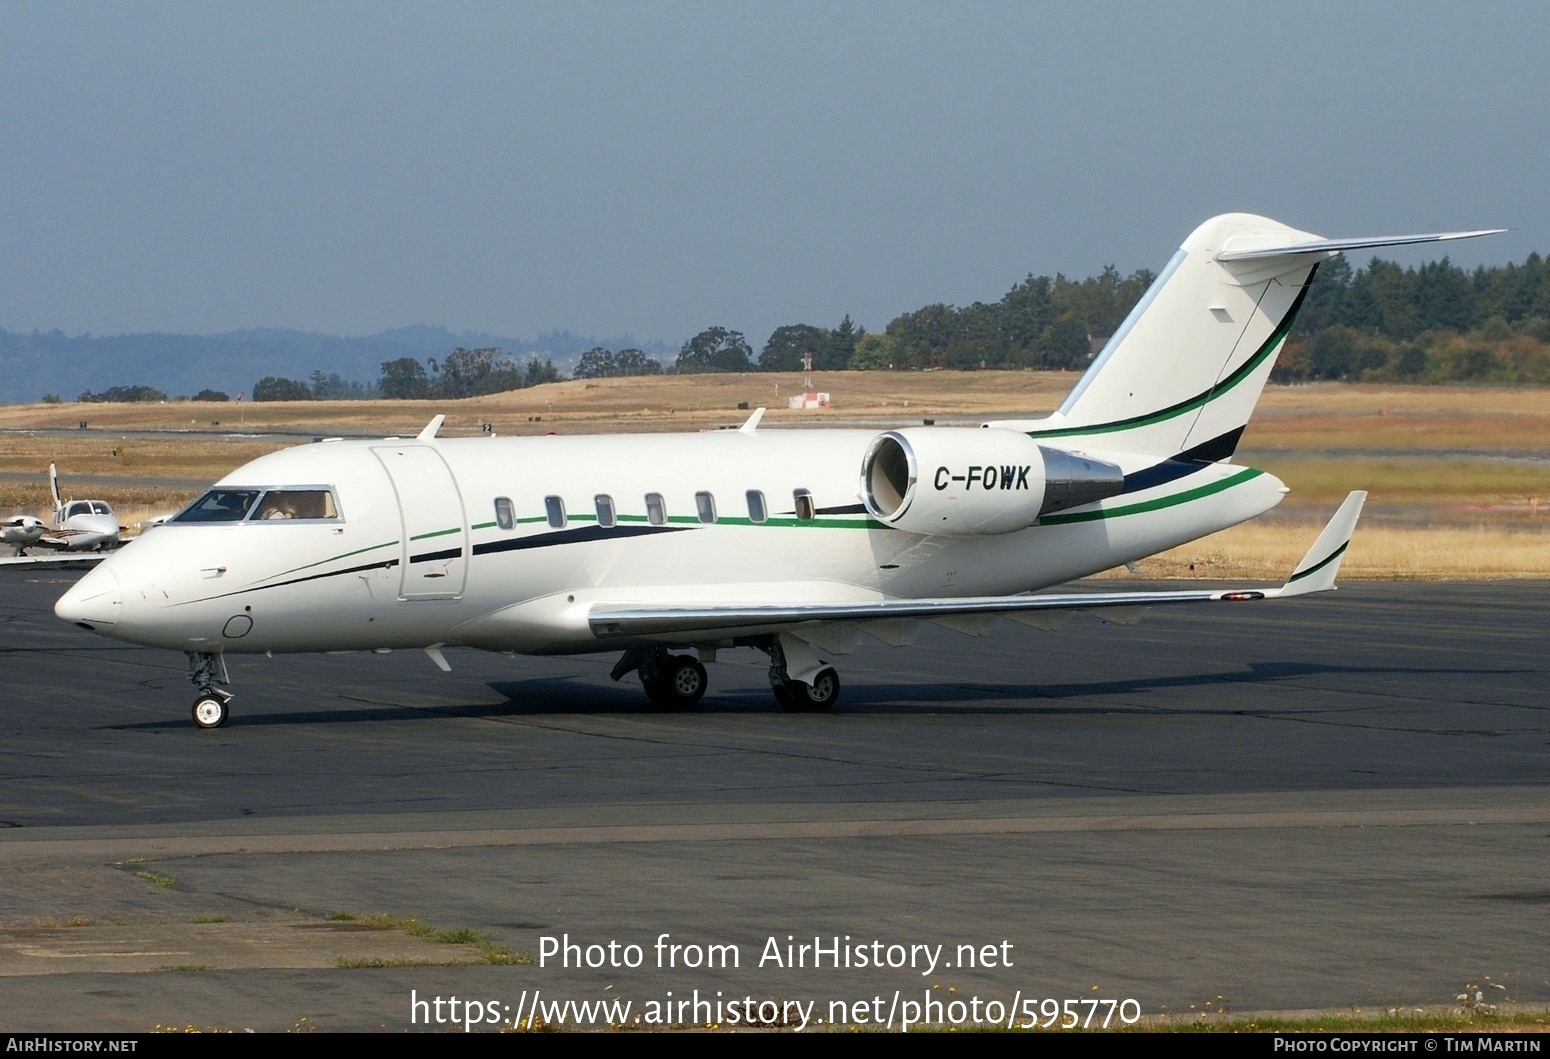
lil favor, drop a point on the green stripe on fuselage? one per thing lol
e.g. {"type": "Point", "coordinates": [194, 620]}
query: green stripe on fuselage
{"type": "Point", "coordinates": [1171, 500]}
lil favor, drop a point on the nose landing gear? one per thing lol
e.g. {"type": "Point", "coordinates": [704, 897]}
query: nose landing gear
{"type": "Point", "coordinates": [206, 669]}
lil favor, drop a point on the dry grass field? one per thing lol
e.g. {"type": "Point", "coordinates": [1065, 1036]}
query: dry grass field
{"type": "Point", "coordinates": [1459, 477]}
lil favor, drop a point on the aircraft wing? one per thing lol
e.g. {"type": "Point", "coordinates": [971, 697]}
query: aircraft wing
{"type": "Point", "coordinates": [1315, 573]}
{"type": "Point", "coordinates": [55, 559]}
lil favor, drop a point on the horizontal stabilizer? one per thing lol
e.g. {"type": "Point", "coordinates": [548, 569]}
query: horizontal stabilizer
{"type": "Point", "coordinates": [1241, 248]}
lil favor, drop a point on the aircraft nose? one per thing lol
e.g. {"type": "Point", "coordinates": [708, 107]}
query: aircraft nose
{"type": "Point", "coordinates": [94, 602]}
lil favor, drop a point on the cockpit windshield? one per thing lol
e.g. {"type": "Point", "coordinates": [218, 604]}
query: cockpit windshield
{"type": "Point", "coordinates": [255, 505]}
{"type": "Point", "coordinates": [219, 505]}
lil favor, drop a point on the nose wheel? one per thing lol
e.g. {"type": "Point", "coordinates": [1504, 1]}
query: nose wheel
{"type": "Point", "coordinates": [210, 711]}
{"type": "Point", "coordinates": [206, 670]}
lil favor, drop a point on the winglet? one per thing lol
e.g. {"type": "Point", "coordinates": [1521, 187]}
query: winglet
{"type": "Point", "coordinates": [753, 421]}
{"type": "Point", "coordinates": [431, 428]}
{"type": "Point", "coordinates": [1316, 572]}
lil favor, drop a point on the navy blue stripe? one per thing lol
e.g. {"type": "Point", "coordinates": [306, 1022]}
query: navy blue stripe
{"type": "Point", "coordinates": [1184, 464]}
{"type": "Point", "coordinates": [582, 535]}
{"type": "Point", "coordinates": [386, 564]}
{"type": "Point", "coordinates": [1161, 474]}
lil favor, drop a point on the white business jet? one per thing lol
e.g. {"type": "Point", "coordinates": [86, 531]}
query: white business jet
{"type": "Point", "coordinates": [79, 527]}
{"type": "Point", "coordinates": [789, 542]}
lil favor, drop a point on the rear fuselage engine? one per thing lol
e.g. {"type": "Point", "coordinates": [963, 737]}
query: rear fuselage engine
{"type": "Point", "coordinates": [962, 481]}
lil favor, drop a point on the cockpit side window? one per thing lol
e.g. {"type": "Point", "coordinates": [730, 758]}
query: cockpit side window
{"type": "Point", "coordinates": [219, 505]}
{"type": "Point", "coordinates": [100, 507]}
{"type": "Point", "coordinates": [310, 504]}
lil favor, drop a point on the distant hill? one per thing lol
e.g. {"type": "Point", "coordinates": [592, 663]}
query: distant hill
{"type": "Point", "coordinates": [34, 364]}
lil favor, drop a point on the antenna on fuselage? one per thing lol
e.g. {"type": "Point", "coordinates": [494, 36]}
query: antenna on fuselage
{"type": "Point", "coordinates": [429, 433]}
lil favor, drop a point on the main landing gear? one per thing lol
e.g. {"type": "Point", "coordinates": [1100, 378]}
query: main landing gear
{"type": "Point", "coordinates": [797, 696]}
{"type": "Point", "coordinates": [817, 697]}
{"type": "Point", "coordinates": [672, 682]}
{"type": "Point", "coordinates": [678, 682]}
{"type": "Point", "coordinates": [207, 669]}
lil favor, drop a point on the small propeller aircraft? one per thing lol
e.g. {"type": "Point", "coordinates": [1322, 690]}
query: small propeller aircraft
{"type": "Point", "coordinates": [21, 532]}
{"type": "Point", "coordinates": [669, 548]}
{"type": "Point", "coordinates": [79, 527]}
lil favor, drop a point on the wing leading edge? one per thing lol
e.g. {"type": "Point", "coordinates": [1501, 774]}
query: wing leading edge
{"type": "Point", "coordinates": [1315, 573]}
{"type": "Point", "coordinates": [55, 559]}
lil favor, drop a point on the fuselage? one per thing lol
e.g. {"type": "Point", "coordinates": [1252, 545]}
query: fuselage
{"type": "Point", "coordinates": [504, 543]}
{"type": "Point", "coordinates": [82, 525]}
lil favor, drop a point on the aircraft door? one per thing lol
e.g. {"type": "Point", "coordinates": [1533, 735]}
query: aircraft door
{"type": "Point", "coordinates": [434, 552]}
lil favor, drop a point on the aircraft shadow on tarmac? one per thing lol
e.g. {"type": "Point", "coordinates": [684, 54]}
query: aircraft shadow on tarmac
{"type": "Point", "coordinates": [564, 695]}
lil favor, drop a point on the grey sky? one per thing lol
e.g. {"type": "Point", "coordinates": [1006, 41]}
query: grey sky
{"type": "Point", "coordinates": [659, 168]}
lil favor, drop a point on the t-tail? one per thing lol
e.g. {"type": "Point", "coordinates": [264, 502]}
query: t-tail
{"type": "Point", "coordinates": [1185, 369]}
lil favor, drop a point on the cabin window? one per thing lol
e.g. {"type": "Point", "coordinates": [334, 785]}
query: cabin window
{"type": "Point", "coordinates": [757, 512]}
{"type": "Point", "coordinates": [310, 504]}
{"type": "Point", "coordinates": [219, 505]}
{"type": "Point", "coordinates": [804, 502]}
{"type": "Point", "coordinates": [554, 507]}
{"type": "Point", "coordinates": [606, 516]}
{"type": "Point", "coordinates": [705, 504]}
{"type": "Point", "coordinates": [505, 513]}
{"type": "Point", "coordinates": [656, 510]}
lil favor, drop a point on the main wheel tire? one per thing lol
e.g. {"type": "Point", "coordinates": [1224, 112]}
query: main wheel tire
{"type": "Point", "coordinates": [677, 684]}
{"type": "Point", "coordinates": [817, 697]}
{"type": "Point", "coordinates": [210, 711]}
{"type": "Point", "coordinates": [688, 681]}
{"type": "Point", "coordinates": [657, 690]}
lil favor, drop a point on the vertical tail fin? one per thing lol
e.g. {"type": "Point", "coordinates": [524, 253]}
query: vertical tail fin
{"type": "Point", "coordinates": [53, 488]}
{"type": "Point", "coordinates": [1184, 371]}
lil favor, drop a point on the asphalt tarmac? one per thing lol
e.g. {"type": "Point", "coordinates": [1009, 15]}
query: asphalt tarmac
{"type": "Point", "coordinates": [1330, 803]}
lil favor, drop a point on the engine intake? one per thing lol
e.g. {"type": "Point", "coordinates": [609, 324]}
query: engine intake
{"type": "Point", "coordinates": [957, 480]}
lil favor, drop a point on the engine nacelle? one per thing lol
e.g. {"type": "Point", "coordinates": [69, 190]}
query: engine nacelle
{"type": "Point", "coordinates": [957, 480]}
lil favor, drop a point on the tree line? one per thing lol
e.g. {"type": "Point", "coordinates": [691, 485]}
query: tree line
{"type": "Point", "coordinates": [1432, 323]}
